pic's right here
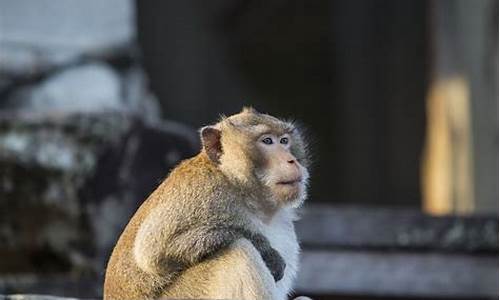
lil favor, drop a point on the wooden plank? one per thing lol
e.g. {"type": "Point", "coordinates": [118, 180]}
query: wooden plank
{"type": "Point", "coordinates": [397, 274]}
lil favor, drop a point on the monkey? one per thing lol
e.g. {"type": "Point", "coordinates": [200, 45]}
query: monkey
{"type": "Point", "coordinates": [213, 218]}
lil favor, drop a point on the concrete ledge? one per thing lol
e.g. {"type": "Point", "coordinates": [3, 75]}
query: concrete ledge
{"type": "Point", "coordinates": [388, 228]}
{"type": "Point", "coordinates": [397, 274]}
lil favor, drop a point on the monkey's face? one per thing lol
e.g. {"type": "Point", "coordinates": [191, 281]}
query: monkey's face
{"type": "Point", "coordinates": [280, 170]}
{"type": "Point", "coordinates": [263, 154]}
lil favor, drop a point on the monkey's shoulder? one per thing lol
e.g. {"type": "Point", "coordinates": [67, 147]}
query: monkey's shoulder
{"type": "Point", "coordinates": [198, 168]}
{"type": "Point", "coordinates": [195, 183]}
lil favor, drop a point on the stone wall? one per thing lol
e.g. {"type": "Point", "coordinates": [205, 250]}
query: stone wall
{"type": "Point", "coordinates": [82, 141]}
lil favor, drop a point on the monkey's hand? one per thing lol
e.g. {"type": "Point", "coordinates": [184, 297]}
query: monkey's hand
{"type": "Point", "coordinates": [273, 260]}
{"type": "Point", "coordinates": [275, 263]}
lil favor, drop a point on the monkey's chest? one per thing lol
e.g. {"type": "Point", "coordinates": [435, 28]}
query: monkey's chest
{"type": "Point", "coordinates": [281, 234]}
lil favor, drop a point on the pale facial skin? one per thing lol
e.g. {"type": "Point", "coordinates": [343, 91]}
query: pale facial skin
{"type": "Point", "coordinates": [282, 172]}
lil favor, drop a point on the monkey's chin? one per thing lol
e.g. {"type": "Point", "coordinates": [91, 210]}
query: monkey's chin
{"type": "Point", "coordinates": [290, 195]}
{"type": "Point", "coordinates": [297, 202]}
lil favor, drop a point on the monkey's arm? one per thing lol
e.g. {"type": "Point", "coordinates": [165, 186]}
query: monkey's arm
{"type": "Point", "coordinates": [271, 257]}
{"type": "Point", "coordinates": [202, 242]}
{"type": "Point", "coordinates": [160, 249]}
{"type": "Point", "coordinates": [167, 242]}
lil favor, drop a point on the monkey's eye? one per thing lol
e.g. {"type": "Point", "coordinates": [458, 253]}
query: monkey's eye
{"type": "Point", "coordinates": [267, 141]}
{"type": "Point", "coordinates": [284, 141]}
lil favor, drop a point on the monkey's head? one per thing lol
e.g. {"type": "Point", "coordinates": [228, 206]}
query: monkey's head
{"type": "Point", "coordinates": [260, 153]}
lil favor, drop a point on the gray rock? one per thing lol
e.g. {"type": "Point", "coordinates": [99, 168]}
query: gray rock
{"type": "Point", "coordinates": [69, 183]}
{"type": "Point", "coordinates": [87, 88]}
{"type": "Point", "coordinates": [33, 297]}
{"type": "Point", "coordinates": [5, 83]}
{"type": "Point", "coordinates": [136, 95]}
{"type": "Point", "coordinates": [38, 35]}
{"type": "Point", "coordinates": [62, 285]}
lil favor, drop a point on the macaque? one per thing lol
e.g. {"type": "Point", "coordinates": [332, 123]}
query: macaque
{"type": "Point", "coordinates": [221, 224]}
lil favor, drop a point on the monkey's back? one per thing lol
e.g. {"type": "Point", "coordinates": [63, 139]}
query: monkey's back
{"type": "Point", "coordinates": [124, 279]}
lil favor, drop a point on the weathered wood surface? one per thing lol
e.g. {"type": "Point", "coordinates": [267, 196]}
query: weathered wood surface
{"type": "Point", "coordinates": [397, 274]}
{"type": "Point", "coordinates": [365, 228]}
{"type": "Point", "coordinates": [396, 252]}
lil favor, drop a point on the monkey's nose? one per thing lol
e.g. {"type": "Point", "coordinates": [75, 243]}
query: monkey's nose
{"type": "Point", "coordinates": [291, 161]}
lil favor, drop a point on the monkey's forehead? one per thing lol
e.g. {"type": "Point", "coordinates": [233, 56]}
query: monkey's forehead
{"type": "Point", "coordinates": [261, 123]}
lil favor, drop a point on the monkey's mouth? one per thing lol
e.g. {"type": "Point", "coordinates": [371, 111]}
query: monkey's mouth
{"type": "Point", "coordinates": [290, 182]}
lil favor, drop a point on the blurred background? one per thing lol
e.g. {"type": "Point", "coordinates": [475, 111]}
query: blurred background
{"type": "Point", "coordinates": [399, 99]}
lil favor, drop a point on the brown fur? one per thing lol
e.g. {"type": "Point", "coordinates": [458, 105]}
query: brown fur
{"type": "Point", "coordinates": [198, 211]}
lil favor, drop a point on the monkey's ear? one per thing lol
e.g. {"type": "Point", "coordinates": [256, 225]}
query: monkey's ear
{"type": "Point", "coordinates": [210, 139]}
